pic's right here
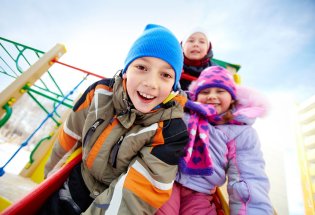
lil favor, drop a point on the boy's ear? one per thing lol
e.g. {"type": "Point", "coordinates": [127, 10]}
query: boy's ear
{"type": "Point", "coordinates": [124, 76]}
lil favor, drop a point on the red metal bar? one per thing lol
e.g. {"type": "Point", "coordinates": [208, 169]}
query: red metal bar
{"type": "Point", "coordinates": [187, 77]}
{"type": "Point", "coordinates": [81, 70]}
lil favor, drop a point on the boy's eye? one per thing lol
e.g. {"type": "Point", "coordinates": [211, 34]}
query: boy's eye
{"type": "Point", "coordinates": [140, 67]}
{"type": "Point", "coordinates": [166, 75]}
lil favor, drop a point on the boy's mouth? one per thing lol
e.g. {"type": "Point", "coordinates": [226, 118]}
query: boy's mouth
{"type": "Point", "coordinates": [146, 96]}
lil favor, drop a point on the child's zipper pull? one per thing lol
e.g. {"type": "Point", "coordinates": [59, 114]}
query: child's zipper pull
{"type": "Point", "coordinates": [115, 150]}
{"type": "Point", "coordinates": [95, 125]}
{"type": "Point", "coordinates": [91, 131]}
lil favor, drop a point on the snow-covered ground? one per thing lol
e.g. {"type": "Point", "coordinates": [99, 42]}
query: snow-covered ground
{"type": "Point", "coordinates": [18, 162]}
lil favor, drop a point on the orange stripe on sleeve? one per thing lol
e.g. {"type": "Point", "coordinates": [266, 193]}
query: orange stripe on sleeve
{"type": "Point", "coordinates": [87, 101]}
{"type": "Point", "coordinates": [158, 137]}
{"type": "Point", "coordinates": [98, 144]}
{"type": "Point", "coordinates": [66, 141]}
{"type": "Point", "coordinates": [104, 87]}
{"type": "Point", "coordinates": [141, 187]}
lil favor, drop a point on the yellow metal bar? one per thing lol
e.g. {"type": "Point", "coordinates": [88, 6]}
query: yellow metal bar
{"type": "Point", "coordinates": [306, 184]}
{"type": "Point", "coordinates": [13, 92]}
{"type": "Point", "coordinates": [4, 203]}
{"type": "Point", "coordinates": [305, 137]}
{"type": "Point", "coordinates": [223, 200]}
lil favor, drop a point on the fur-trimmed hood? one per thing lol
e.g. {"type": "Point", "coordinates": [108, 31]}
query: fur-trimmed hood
{"type": "Point", "coordinates": [251, 104]}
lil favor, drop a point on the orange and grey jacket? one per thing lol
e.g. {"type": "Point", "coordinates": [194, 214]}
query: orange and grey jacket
{"type": "Point", "coordinates": [129, 158]}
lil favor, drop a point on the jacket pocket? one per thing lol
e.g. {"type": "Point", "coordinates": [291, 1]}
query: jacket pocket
{"type": "Point", "coordinates": [242, 190]}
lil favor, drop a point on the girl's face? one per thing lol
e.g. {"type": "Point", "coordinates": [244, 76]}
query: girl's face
{"type": "Point", "coordinates": [219, 97]}
{"type": "Point", "coordinates": [196, 47]}
{"type": "Point", "coordinates": [149, 81]}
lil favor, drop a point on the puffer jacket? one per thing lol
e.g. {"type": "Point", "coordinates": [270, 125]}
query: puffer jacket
{"type": "Point", "coordinates": [236, 154]}
{"type": "Point", "coordinates": [129, 158]}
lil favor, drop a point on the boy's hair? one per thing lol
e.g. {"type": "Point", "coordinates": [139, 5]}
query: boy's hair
{"type": "Point", "coordinates": [157, 41]}
{"type": "Point", "coordinates": [213, 76]}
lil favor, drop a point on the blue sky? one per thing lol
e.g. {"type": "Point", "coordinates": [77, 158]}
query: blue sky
{"type": "Point", "coordinates": [273, 40]}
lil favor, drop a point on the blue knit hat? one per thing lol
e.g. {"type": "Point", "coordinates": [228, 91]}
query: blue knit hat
{"type": "Point", "coordinates": [157, 41]}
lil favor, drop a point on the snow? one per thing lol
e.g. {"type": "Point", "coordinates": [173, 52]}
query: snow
{"type": "Point", "coordinates": [18, 162]}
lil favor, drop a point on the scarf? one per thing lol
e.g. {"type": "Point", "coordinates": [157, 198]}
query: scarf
{"type": "Point", "coordinates": [194, 67]}
{"type": "Point", "coordinates": [197, 160]}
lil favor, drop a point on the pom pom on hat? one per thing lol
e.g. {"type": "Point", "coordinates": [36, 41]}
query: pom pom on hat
{"type": "Point", "coordinates": [157, 41]}
{"type": "Point", "coordinates": [214, 76]}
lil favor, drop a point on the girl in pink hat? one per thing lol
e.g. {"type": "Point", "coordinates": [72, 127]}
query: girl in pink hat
{"type": "Point", "coordinates": [222, 145]}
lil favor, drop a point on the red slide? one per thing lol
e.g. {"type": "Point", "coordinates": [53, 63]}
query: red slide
{"type": "Point", "coordinates": [32, 202]}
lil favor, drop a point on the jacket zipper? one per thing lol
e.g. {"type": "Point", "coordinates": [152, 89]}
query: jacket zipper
{"type": "Point", "coordinates": [91, 131]}
{"type": "Point", "coordinates": [114, 152]}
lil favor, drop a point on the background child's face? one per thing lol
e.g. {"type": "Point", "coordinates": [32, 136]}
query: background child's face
{"type": "Point", "coordinates": [149, 82]}
{"type": "Point", "coordinates": [219, 97]}
{"type": "Point", "coordinates": [196, 46]}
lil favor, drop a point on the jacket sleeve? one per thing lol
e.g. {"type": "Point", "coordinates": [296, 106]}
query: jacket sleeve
{"type": "Point", "coordinates": [147, 184]}
{"type": "Point", "coordinates": [71, 131]}
{"type": "Point", "coordinates": [248, 184]}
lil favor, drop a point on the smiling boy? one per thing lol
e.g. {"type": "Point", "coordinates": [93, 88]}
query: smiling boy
{"type": "Point", "coordinates": [149, 82]}
{"type": "Point", "coordinates": [131, 131]}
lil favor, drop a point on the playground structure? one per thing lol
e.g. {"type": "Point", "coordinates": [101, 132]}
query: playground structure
{"type": "Point", "coordinates": [306, 145]}
{"type": "Point", "coordinates": [31, 70]}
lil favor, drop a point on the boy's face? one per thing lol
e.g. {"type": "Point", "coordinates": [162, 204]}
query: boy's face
{"type": "Point", "coordinates": [196, 47]}
{"type": "Point", "coordinates": [219, 97]}
{"type": "Point", "coordinates": [149, 82]}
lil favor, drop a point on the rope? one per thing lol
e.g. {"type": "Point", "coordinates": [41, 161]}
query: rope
{"type": "Point", "coordinates": [42, 107]}
{"type": "Point", "coordinates": [82, 70]}
{"type": "Point", "coordinates": [42, 123]}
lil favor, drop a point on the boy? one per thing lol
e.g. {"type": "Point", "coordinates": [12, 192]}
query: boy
{"type": "Point", "coordinates": [131, 132]}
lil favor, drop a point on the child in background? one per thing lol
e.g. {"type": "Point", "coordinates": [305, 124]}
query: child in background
{"type": "Point", "coordinates": [131, 131]}
{"type": "Point", "coordinates": [222, 143]}
{"type": "Point", "coordinates": [198, 53]}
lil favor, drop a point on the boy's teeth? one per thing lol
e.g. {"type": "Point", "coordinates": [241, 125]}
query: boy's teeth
{"type": "Point", "coordinates": [146, 96]}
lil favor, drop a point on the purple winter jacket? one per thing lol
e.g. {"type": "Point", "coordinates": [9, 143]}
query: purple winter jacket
{"type": "Point", "coordinates": [236, 154]}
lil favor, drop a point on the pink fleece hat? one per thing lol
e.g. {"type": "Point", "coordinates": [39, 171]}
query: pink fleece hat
{"type": "Point", "coordinates": [214, 76]}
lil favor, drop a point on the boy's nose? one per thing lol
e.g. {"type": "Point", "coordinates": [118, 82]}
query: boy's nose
{"type": "Point", "coordinates": [150, 82]}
